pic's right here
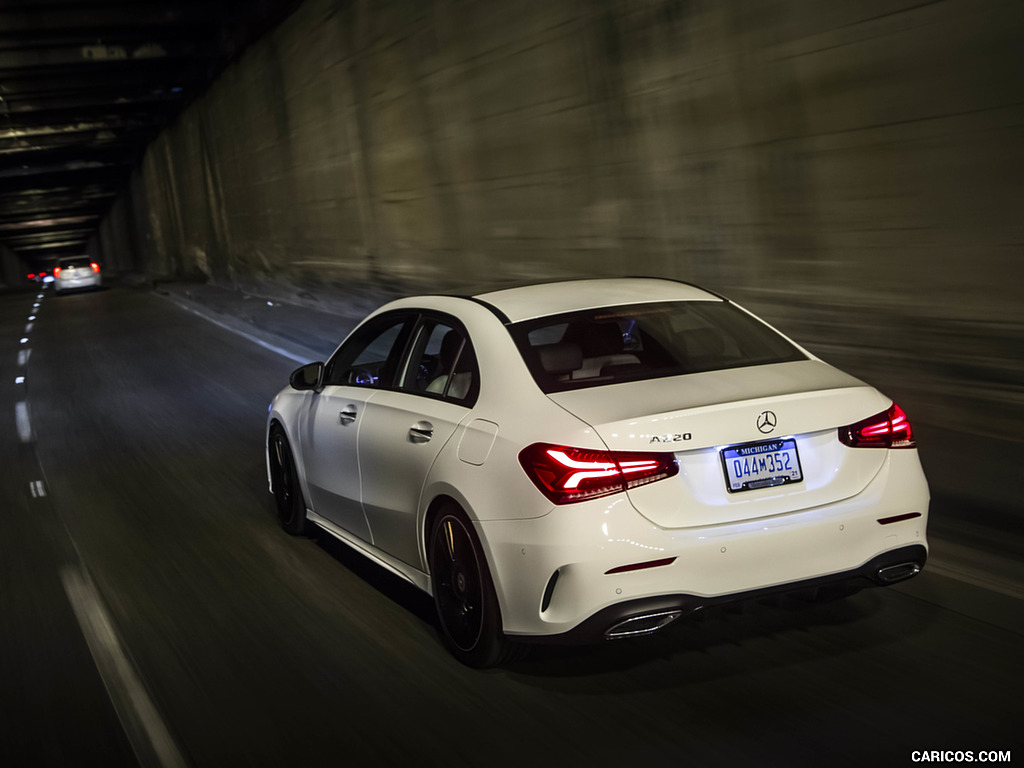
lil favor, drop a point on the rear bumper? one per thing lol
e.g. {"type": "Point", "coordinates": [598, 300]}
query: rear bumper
{"type": "Point", "coordinates": [593, 564]}
{"type": "Point", "coordinates": [76, 283]}
{"type": "Point", "coordinates": [646, 615]}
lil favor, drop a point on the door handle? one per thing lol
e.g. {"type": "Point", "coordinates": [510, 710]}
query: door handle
{"type": "Point", "coordinates": [348, 415]}
{"type": "Point", "coordinates": [421, 431]}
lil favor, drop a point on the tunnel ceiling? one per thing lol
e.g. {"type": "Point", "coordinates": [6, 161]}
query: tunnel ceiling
{"type": "Point", "coordinates": [85, 86]}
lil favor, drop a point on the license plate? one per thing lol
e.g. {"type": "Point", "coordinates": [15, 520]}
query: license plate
{"type": "Point", "coordinates": [761, 465]}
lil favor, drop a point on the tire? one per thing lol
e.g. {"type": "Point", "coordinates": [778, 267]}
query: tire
{"type": "Point", "coordinates": [467, 606]}
{"type": "Point", "coordinates": [291, 507]}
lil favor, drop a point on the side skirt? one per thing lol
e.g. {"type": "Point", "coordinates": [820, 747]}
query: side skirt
{"type": "Point", "coordinates": [403, 570]}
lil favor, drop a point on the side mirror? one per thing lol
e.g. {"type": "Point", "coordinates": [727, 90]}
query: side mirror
{"type": "Point", "coordinates": [309, 376]}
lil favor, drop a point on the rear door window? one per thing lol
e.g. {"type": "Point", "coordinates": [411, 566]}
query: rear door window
{"type": "Point", "coordinates": [441, 362]}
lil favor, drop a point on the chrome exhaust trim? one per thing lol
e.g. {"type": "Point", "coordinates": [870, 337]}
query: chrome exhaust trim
{"type": "Point", "coordinates": [893, 573]}
{"type": "Point", "coordinates": [644, 624]}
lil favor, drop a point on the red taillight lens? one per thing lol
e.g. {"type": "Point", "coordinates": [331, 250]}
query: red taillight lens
{"type": "Point", "coordinates": [95, 267]}
{"type": "Point", "coordinates": [566, 475]}
{"type": "Point", "coordinates": [888, 429]}
{"type": "Point", "coordinates": [56, 272]}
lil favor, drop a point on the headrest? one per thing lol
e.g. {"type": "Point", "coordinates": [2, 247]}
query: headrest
{"type": "Point", "coordinates": [560, 358]}
{"type": "Point", "coordinates": [449, 348]}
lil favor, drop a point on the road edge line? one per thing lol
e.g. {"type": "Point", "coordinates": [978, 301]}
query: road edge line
{"type": "Point", "coordinates": [150, 739]}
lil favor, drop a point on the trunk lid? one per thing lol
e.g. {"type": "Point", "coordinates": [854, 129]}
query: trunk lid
{"type": "Point", "coordinates": [697, 416]}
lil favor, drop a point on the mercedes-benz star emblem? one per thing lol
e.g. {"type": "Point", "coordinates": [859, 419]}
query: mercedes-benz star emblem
{"type": "Point", "coordinates": [766, 421]}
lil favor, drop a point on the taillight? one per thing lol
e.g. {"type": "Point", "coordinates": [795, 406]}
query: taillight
{"type": "Point", "coordinates": [56, 272]}
{"type": "Point", "coordinates": [888, 429]}
{"type": "Point", "coordinates": [566, 475]}
{"type": "Point", "coordinates": [95, 267]}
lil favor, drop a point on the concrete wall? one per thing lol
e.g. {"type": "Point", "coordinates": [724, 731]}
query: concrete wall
{"type": "Point", "coordinates": [851, 169]}
{"type": "Point", "coordinates": [11, 272]}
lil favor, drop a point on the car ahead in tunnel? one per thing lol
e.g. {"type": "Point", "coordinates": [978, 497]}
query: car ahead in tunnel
{"type": "Point", "coordinates": [586, 460]}
{"type": "Point", "coordinates": [76, 272]}
{"type": "Point", "coordinates": [40, 277]}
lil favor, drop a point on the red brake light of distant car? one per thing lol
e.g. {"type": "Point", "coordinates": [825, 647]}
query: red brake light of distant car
{"type": "Point", "coordinates": [31, 276]}
{"type": "Point", "coordinates": [567, 475]}
{"type": "Point", "coordinates": [888, 429]}
{"type": "Point", "coordinates": [95, 267]}
{"type": "Point", "coordinates": [56, 272]}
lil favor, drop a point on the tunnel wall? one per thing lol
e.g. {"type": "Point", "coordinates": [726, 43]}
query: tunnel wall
{"type": "Point", "coordinates": [852, 169]}
{"type": "Point", "coordinates": [11, 272]}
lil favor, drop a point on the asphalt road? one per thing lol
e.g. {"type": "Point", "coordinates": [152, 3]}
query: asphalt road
{"type": "Point", "coordinates": [154, 613]}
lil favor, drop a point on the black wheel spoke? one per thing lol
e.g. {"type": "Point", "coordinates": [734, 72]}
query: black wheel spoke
{"type": "Point", "coordinates": [467, 607]}
{"type": "Point", "coordinates": [458, 582]}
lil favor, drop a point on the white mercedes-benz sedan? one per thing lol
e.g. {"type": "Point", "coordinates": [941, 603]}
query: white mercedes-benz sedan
{"type": "Point", "coordinates": [593, 459]}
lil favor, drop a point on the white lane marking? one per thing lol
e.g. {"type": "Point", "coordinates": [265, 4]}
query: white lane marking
{"type": "Point", "coordinates": [19, 379]}
{"type": "Point", "coordinates": [28, 328]}
{"type": "Point", "coordinates": [39, 295]}
{"type": "Point", "coordinates": [22, 421]}
{"type": "Point", "coordinates": [31, 317]}
{"type": "Point", "coordinates": [244, 335]}
{"type": "Point", "coordinates": [24, 340]}
{"type": "Point", "coordinates": [38, 489]}
{"type": "Point", "coordinates": [23, 357]}
{"type": "Point", "coordinates": [149, 737]}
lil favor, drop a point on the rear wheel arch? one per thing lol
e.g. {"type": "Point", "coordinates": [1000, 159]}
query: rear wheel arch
{"type": "Point", "coordinates": [438, 502]}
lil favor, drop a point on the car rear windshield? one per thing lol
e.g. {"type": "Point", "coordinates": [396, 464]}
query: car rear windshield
{"type": "Point", "coordinates": [77, 261]}
{"type": "Point", "coordinates": [645, 341]}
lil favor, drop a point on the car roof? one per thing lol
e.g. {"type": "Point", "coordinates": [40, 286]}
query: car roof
{"type": "Point", "coordinates": [539, 300]}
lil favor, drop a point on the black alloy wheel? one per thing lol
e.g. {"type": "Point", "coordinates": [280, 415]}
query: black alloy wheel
{"type": "Point", "coordinates": [291, 508]}
{"type": "Point", "coordinates": [467, 607]}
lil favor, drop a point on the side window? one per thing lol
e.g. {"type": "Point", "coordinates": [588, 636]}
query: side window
{"type": "Point", "coordinates": [371, 356]}
{"type": "Point", "coordinates": [441, 363]}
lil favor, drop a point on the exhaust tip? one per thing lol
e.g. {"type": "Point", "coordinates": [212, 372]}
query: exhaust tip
{"type": "Point", "coordinates": [644, 624]}
{"type": "Point", "coordinates": [899, 572]}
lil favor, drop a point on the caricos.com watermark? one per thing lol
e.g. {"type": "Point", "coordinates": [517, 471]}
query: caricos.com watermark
{"type": "Point", "coordinates": [960, 756]}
